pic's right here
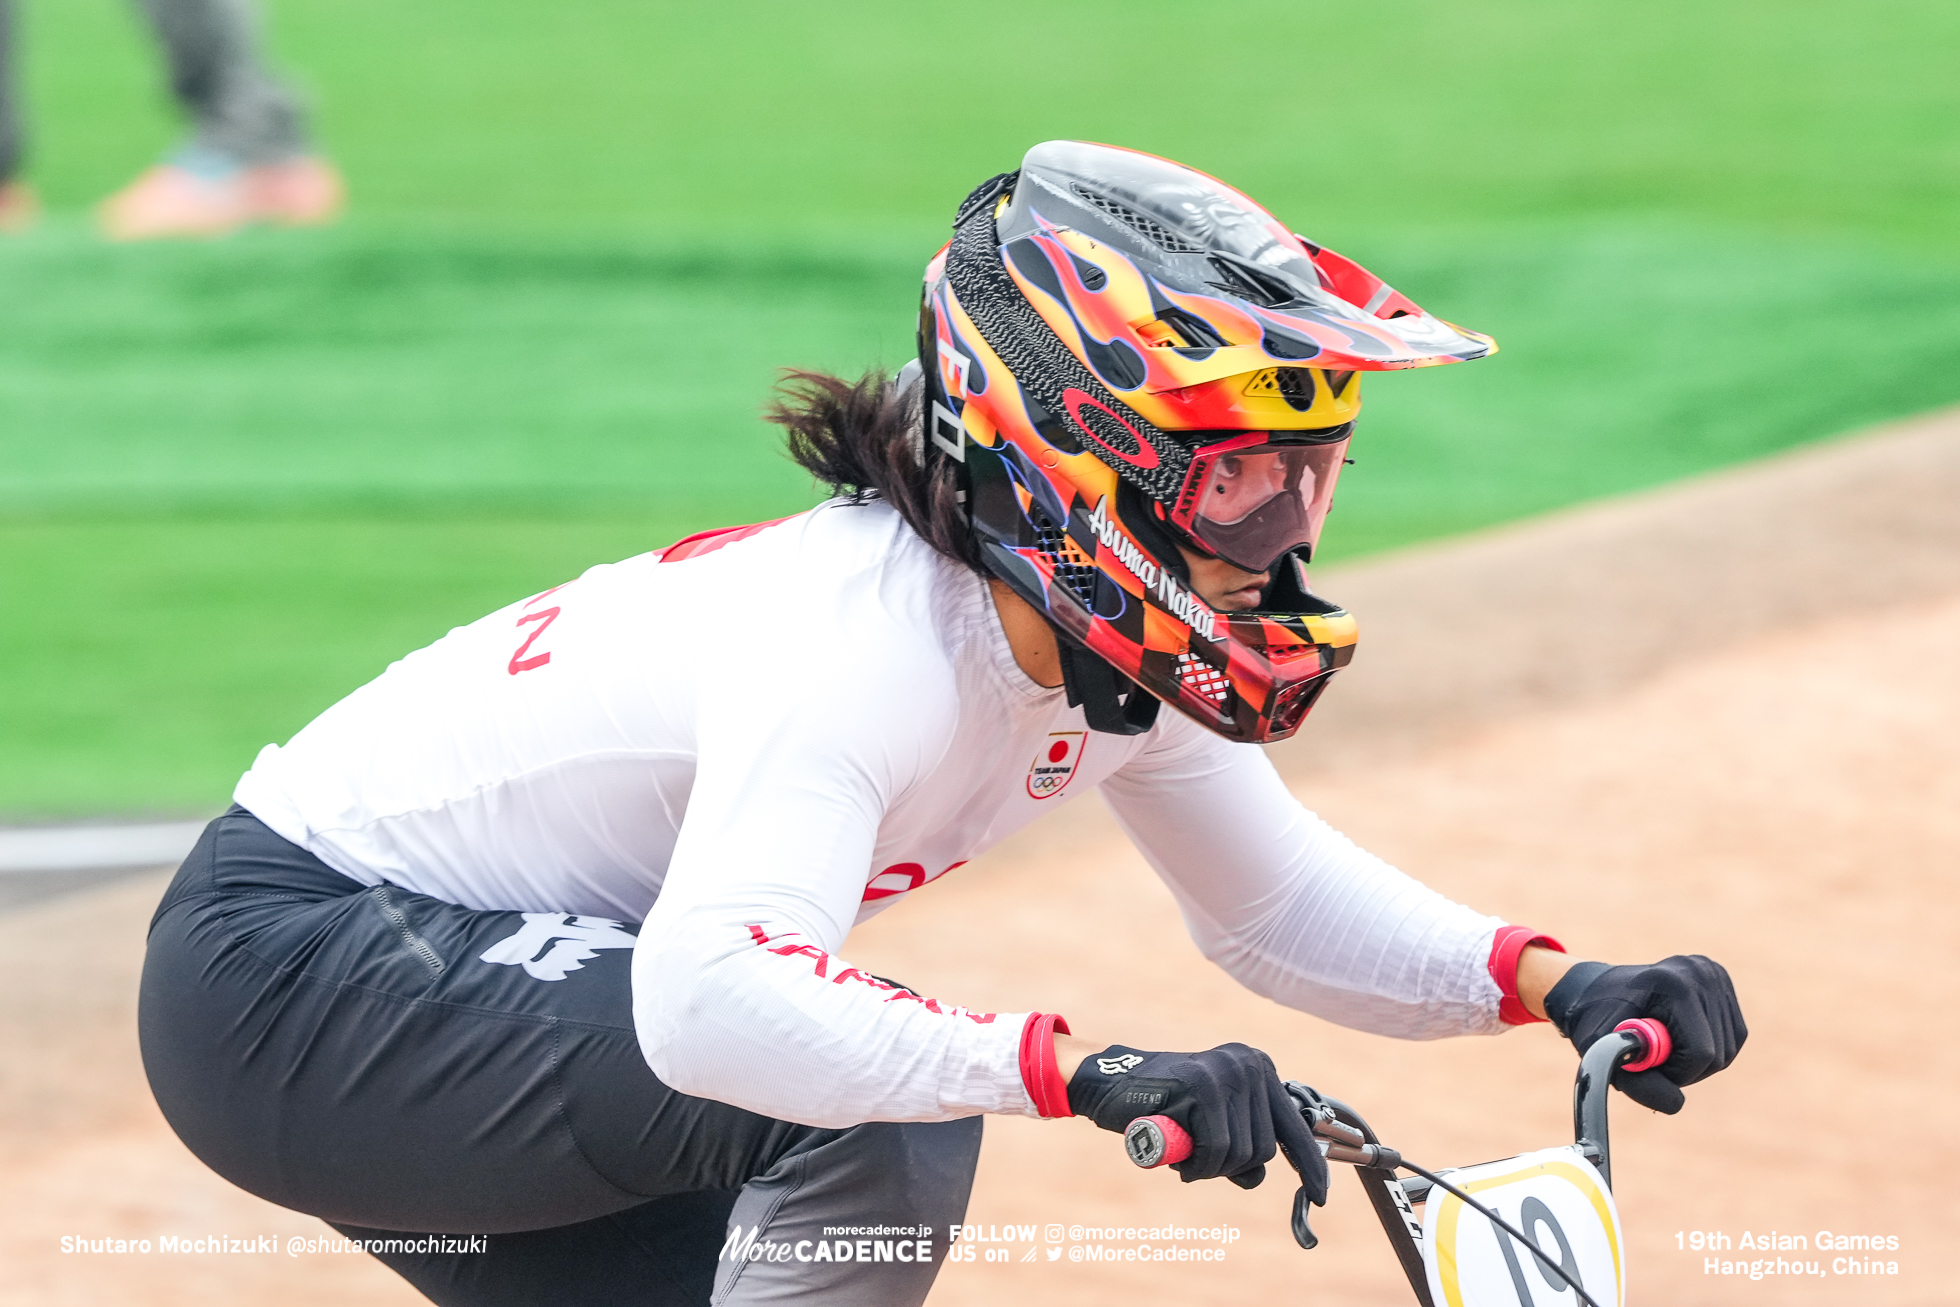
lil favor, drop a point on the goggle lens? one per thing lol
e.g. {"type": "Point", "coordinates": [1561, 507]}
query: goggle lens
{"type": "Point", "coordinates": [1255, 500]}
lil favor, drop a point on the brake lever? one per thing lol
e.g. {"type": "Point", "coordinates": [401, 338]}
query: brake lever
{"type": "Point", "coordinates": [1303, 1233]}
{"type": "Point", "coordinates": [1317, 1113]}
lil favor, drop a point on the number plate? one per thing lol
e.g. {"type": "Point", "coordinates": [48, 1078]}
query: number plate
{"type": "Point", "coordinates": [1557, 1198]}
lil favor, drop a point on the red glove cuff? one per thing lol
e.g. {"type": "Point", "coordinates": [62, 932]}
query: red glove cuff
{"type": "Point", "coordinates": [1505, 951]}
{"type": "Point", "coordinates": [1039, 1071]}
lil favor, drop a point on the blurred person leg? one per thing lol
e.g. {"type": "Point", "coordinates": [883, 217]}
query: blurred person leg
{"type": "Point", "coordinates": [18, 206]}
{"type": "Point", "coordinates": [248, 157]}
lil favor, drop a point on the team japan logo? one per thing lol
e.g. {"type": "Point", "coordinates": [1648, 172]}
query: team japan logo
{"type": "Point", "coordinates": [1054, 767]}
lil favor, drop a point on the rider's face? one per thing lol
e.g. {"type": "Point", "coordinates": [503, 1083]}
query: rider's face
{"type": "Point", "coordinates": [1240, 483]}
{"type": "Point", "coordinates": [1226, 587]}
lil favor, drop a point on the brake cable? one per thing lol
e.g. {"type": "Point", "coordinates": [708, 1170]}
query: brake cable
{"type": "Point", "coordinates": [1500, 1223]}
{"type": "Point", "coordinates": [1344, 1143]}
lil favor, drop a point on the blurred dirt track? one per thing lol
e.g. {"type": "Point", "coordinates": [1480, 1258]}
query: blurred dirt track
{"type": "Point", "coordinates": [1722, 717]}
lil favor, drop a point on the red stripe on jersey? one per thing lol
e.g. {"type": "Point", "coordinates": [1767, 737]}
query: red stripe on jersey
{"type": "Point", "coordinates": [706, 542]}
{"type": "Point", "coordinates": [893, 993]}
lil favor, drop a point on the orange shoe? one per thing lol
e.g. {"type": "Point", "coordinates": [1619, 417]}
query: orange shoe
{"type": "Point", "coordinates": [299, 192]}
{"type": "Point", "coordinates": [172, 200]}
{"type": "Point", "coordinates": [19, 206]}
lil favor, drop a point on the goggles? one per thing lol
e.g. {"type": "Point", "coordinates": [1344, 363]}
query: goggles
{"type": "Point", "coordinates": [1255, 495]}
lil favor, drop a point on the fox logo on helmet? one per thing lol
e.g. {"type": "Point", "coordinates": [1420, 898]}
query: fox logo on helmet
{"type": "Point", "coordinates": [1054, 767]}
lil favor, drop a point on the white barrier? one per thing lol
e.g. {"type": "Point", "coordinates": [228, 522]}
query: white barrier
{"type": "Point", "coordinates": [96, 848]}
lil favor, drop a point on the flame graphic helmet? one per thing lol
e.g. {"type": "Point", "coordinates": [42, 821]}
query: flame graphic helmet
{"type": "Point", "coordinates": [1124, 355]}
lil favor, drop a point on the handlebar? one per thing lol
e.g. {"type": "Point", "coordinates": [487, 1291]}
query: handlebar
{"type": "Point", "coordinates": [1639, 1044]}
{"type": "Point", "coordinates": [1154, 1141]}
{"type": "Point", "coordinates": [1659, 1044]}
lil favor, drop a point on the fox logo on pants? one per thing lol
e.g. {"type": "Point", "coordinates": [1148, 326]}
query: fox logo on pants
{"type": "Point", "coordinates": [572, 940]}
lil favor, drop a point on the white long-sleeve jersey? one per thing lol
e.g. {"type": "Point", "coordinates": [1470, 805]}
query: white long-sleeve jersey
{"type": "Point", "coordinates": [756, 747]}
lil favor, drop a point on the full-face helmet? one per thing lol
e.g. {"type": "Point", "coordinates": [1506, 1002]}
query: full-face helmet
{"type": "Point", "coordinates": [1125, 355]}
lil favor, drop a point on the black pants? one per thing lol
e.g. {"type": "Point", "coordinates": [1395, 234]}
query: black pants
{"type": "Point", "coordinates": [348, 1052]}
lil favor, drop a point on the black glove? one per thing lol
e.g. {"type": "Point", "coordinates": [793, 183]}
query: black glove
{"type": "Point", "coordinates": [1228, 1099]}
{"type": "Point", "coordinates": [1691, 996]}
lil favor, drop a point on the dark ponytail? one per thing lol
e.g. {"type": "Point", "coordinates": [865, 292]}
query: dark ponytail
{"type": "Point", "coordinates": [865, 442]}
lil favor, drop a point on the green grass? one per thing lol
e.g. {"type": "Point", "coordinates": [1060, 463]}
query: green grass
{"type": "Point", "coordinates": [363, 366]}
{"type": "Point", "coordinates": [773, 115]}
{"type": "Point", "coordinates": [413, 370]}
{"type": "Point", "coordinates": [150, 655]}
{"type": "Point", "coordinates": [237, 479]}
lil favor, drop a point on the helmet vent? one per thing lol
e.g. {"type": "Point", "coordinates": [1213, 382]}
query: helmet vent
{"type": "Point", "coordinates": [1073, 570]}
{"type": "Point", "coordinates": [1149, 228]}
{"type": "Point", "coordinates": [1195, 332]}
{"type": "Point", "coordinates": [1295, 702]}
{"type": "Point", "coordinates": [1210, 684]}
{"type": "Point", "coordinates": [1248, 281]}
{"type": "Point", "coordinates": [1294, 385]}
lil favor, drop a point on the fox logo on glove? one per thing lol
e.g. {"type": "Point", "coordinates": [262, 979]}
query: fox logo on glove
{"type": "Point", "coordinates": [1116, 1066]}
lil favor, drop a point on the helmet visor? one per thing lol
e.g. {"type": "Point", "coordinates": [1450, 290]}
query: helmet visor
{"type": "Point", "coordinates": [1251, 498]}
